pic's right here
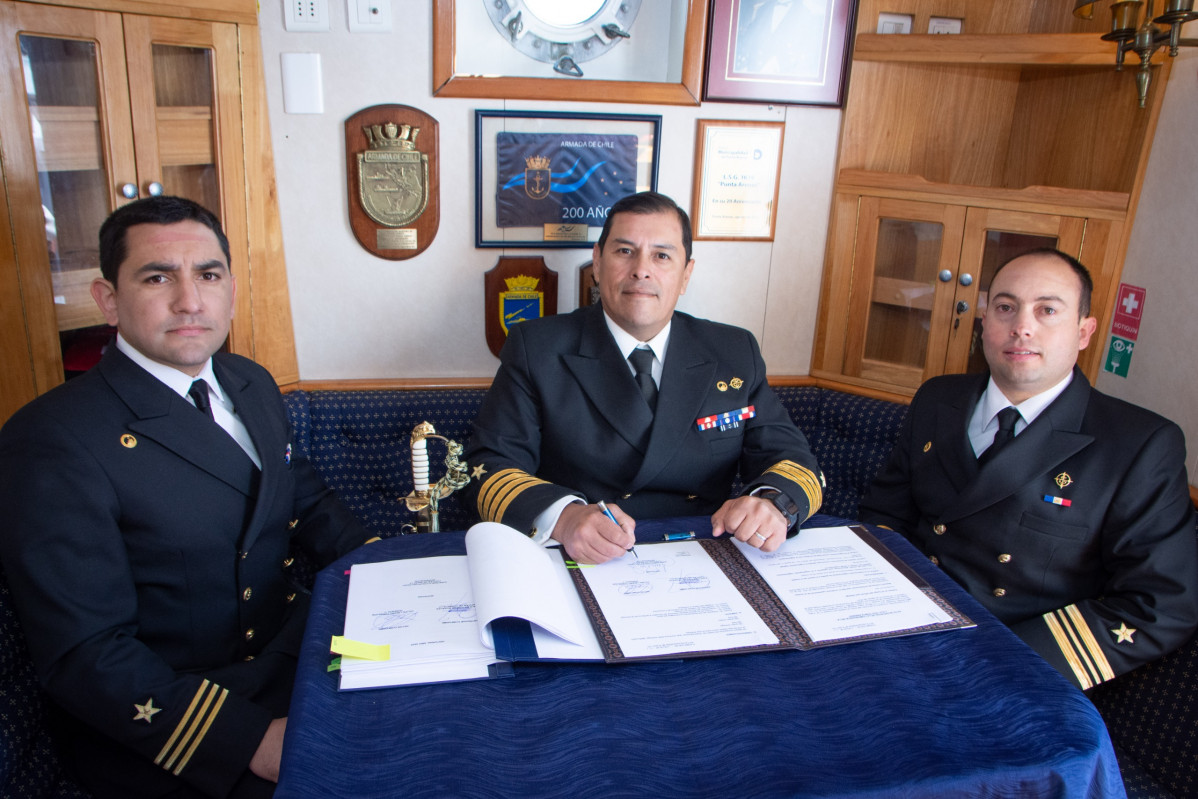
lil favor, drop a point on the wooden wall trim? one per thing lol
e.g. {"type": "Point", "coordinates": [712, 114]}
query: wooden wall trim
{"type": "Point", "coordinates": [1194, 495]}
{"type": "Point", "coordinates": [392, 384]}
{"type": "Point", "coordinates": [240, 11]}
{"type": "Point", "coordinates": [430, 383]}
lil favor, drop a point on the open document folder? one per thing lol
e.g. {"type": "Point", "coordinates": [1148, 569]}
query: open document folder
{"type": "Point", "coordinates": [450, 618]}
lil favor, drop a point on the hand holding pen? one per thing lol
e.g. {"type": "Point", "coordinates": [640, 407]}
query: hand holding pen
{"type": "Point", "coordinates": [603, 507]}
{"type": "Point", "coordinates": [594, 533]}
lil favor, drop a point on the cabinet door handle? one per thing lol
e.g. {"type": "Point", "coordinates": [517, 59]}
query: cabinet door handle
{"type": "Point", "coordinates": [965, 279]}
{"type": "Point", "coordinates": [962, 306]}
{"type": "Point", "coordinates": [155, 189]}
{"type": "Point", "coordinates": [129, 191]}
{"type": "Point", "coordinates": [945, 275]}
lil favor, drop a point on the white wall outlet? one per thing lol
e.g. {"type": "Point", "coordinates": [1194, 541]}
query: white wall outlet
{"type": "Point", "coordinates": [894, 23]}
{"type": "Point", "coordinates": [944, 25]}
{"type": "Point", "coordinates": [306, 16]}
{"type": "Point", "coordinates": [369, 16]}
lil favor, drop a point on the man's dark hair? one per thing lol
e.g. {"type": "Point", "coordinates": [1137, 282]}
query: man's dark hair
{"type": "Point", "coordinates": [648, 202]}
{"type": "Point", "coordinates": [1083, 275]}
{"type": "Point", "coordinates": [159, 210]}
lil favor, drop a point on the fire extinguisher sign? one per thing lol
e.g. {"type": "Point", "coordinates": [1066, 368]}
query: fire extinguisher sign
{"type": "Point", "coordinates": [1125, 329]}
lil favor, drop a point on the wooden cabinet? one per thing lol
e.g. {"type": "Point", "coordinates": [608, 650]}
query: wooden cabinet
{"type": "Point", "coordinates": [958, 152]}
{"type": "Point", "coordinates": [907, 305]}
{"type": "Point", "coordinates": [99, 107]}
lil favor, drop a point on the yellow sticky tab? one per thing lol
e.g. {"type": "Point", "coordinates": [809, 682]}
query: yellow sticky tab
{"type": "Point", "coordinates": [358, 649]}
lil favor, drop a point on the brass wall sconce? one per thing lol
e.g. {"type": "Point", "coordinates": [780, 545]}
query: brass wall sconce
{"type": "Point", "coordinates": [1145, 37]}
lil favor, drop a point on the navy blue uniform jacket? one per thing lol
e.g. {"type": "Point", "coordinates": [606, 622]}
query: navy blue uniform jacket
{"type": "Point", "coordinates": [148, 560]}
{"type": "Point", "coordinates": [1079, 535]}
{"type": "Point", "coordinates": [564, 417]}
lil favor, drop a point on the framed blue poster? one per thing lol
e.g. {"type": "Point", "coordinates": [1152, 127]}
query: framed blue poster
{"type": "Point", "coordinates": [547, 179]}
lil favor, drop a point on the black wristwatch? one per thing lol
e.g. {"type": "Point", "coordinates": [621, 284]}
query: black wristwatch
{"type": "Point", "coordinates": [782, 502]}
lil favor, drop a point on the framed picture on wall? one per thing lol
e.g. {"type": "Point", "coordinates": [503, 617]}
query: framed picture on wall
{"type": "Point", "coordinates": [737, 168]}
{"type": "Point", "coordinates": [647, 51]}
{"type": "Point", "coordinates": [547, 179]}
{"type": "Point", "coordinates": [769, 51]}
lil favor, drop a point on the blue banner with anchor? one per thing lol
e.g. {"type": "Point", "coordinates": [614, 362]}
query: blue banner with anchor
{"type": "Point", "coordinates": [567, 178]}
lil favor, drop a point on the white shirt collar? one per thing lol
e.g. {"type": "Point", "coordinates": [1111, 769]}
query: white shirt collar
{"type": "Point", "coordinates": [626, 342]}
{"type": "Point", "coordinates": [177, 381]}
{"type": "Point", "coordinates": [993, 401]}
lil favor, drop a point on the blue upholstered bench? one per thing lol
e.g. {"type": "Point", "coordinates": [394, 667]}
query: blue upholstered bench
{"type": "Point", "coordinates": [358, 441]}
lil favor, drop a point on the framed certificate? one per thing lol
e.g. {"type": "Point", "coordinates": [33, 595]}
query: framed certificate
{"type": "Point", "coordinates": [737, 165]}
{"type": "Point", "coordinates": [547, 179]}
{"type": "Point", "coordinates": [783, 53]}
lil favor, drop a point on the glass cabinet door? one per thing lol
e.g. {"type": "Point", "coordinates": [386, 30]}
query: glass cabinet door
{"type": "Point", "coordinates": [992, 238]}
{"type": "Point", "coordinates": [74, 87]}
{"type": "Point", "coordinates": [903, 275]}
{"type": "Point", "coordinates": [188, 129]}
{"type": "Point", "coordinates": [175, 108]}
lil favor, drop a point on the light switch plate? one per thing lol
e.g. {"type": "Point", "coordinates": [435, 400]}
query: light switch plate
{"type": "Point", "coordinates": [303, 87]}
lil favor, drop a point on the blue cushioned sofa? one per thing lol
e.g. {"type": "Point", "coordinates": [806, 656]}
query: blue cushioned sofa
{"type": "Point", "coordinates": [358, 441]}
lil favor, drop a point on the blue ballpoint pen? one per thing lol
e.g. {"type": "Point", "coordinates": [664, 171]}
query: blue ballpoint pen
{"type": "Point", "coordinates": [603, 507]}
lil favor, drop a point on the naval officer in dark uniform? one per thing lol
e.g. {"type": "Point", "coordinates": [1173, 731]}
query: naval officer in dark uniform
{"type": "Point", "coordinates": [1062, 510]}
{"type": "Point", "coordinates": [641, 406]}
{"type": "Point", "coordinates": [151, 505]}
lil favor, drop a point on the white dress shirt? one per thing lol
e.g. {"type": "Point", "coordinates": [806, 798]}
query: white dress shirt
{"type": "Point", "coordinates": [983, 424]}
{"type": "Point", "coordinates": [180, 382]}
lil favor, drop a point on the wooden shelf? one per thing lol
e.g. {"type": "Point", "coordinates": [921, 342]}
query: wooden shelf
{"type": "Point", "coordinates": [1036, 49]}
{"type": "Point", "coordinates": [905, 294]}
{"type": "Point", "coordinates": [1044, 199]}
{"type": "Point", "coordinates": [185, 135]}
{"type": "Point", "coordinates": [70, 136]}
{"type": "Point", "coordinates": [73, 301]}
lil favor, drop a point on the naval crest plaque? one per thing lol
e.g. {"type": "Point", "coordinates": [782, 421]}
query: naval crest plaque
{"type": "Point", "coordinates": [393, 170]}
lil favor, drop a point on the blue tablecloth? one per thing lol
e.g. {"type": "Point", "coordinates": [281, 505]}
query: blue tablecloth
{"type": "Point", "coordinates": [965, 713]}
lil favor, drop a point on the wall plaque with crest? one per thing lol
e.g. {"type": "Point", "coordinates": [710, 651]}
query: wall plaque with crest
{"type": "Point", "coordinates": [393, 169]}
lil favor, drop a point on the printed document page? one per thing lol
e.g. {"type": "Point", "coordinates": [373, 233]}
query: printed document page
{"type": "Point", "coordinates": [513, 576]}
{"type": "Point", "coordinates": [423, 609]}
{"type": "Point", "coordinates": [673, 598]}
{"type": "Point", "coordinates": [838, 586]}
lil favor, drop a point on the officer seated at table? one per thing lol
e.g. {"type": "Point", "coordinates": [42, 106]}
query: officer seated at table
{"type": "Point", "coordinates": [150, 508]}
{"type": "Point", "coordinates": [636, 404]}
{"type": "Point", "coordinates": [1065, 512]}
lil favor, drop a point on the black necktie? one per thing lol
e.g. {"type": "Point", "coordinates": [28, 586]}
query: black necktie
{"type": "Point", "coordinates": [642, 362]}
{"type": "Point", "coordinates": [1005, 435]}
{"type": "Point", "coordinates": [199, 395]}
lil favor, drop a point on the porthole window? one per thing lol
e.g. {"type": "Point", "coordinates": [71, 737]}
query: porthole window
{"type": "Point", "coordinates": [564, 33]}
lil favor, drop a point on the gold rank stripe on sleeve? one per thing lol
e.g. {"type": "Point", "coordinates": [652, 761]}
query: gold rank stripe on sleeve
{"type": "Point", "coordinates": [1078, 645]}
{"type": "Point", "coordinates": [499, 491]}
{"type": "Point", "coordinates": [806, 479]}
{"type": "Point", "coordinates": [192, 728]}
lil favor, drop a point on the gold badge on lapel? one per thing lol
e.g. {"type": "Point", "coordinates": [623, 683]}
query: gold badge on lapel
{"type": "Point", "coordinates": [128, 441]}
{"type": "Point", "coordinates": [927, 446]}
{"type": "Point", "coordinates": [722, 386]}
{"type": "Point", "coordinates": [736, 383]}
{"type": "Point", "coordinates": [1063, 479]}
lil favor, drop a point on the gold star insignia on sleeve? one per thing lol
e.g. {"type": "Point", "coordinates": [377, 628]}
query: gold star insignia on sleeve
{"type": "Point", "coordinates": [146, 712]}
{"type": "Point", "coordinates": [478, 472]}
{"type": "Point", "coordinates": [1124, 633]}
